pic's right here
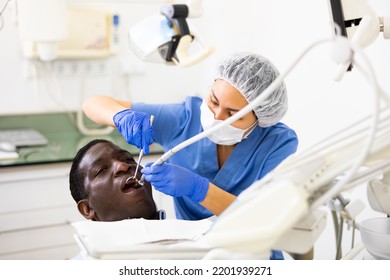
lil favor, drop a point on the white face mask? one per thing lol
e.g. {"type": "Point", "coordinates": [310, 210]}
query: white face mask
{"type": "Point", "coordinates": [227, 135]}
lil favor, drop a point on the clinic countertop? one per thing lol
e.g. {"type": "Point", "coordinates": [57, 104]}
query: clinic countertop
{"type": "Point", "coordinates": [64, 139]}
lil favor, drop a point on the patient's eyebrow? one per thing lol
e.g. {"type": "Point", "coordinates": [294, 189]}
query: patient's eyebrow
{"type": "Point", "coordinates": [97, 161]}
{"type": "Point", "coordinates": [123, 151]}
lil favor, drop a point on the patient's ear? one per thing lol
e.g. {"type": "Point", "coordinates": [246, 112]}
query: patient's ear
{"type": "Point", "coordinates": [86, 210]}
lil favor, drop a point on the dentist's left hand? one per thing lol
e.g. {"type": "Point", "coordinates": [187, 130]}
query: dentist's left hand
{"type": "Point", "coordinates": [176, 181]}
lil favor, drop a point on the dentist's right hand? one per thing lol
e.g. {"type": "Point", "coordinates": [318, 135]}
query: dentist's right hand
{"type": "Point", "coordinates": [135, 127]}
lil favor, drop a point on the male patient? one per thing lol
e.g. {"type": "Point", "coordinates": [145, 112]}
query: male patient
{"type": "Point", "coordinates": [97, 181]}
{"type": "Point", "coordinates": [98, 178]}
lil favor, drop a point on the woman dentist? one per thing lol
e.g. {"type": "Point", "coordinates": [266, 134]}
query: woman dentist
{"type": "Point", "coordinates": [205, 177]}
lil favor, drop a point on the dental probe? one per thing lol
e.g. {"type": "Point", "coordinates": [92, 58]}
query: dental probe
{"type": "Point", "coordinates": [141, 154]}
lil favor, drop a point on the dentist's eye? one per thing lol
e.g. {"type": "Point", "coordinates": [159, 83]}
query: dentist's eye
{"type": "Point", "coordinates": [214, 104]}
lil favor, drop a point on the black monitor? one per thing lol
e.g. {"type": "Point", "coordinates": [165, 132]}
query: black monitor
{"type": "Point", "coordinates": [338, 15]}
{"type": "Point", "coordinates": [338, 18]}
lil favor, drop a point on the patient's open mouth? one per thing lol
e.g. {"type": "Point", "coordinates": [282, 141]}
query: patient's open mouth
{"type": "Point", "coordinates": [130, 184]}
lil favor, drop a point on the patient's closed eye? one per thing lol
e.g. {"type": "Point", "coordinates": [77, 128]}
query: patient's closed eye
{"type": "Point", "coordinates": [100, 171]}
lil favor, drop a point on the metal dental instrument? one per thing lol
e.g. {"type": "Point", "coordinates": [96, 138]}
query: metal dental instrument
{"type": "Point", "coordinates": [141, 155]}
{"type": "Point", "coordinates": [142, 180]}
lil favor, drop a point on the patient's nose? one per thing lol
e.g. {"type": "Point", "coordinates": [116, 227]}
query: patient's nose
{"type": "Point", "coordinates": [120, 167]}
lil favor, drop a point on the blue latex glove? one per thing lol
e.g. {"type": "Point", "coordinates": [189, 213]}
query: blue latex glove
{"type": "Point", "coordinates": [135, 128]}
{"type": "Point", "coordinates": [176, 181]}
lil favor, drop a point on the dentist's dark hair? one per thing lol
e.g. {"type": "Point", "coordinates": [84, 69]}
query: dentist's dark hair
{"type": "Point", "coordinates": [76, 177]}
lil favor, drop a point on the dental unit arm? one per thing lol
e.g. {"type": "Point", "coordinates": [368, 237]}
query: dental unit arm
{"type": "Point", "coordinates": [356, 20]}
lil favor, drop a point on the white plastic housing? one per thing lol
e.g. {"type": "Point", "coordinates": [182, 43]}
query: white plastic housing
{"type": "Point", "coordinates": [43, 22]}
{"type": "Point", "coordinates": [255, 224]}
{"type": "Point", "coordinates": [356, 9]}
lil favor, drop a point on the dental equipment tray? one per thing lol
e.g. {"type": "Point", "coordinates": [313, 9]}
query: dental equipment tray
{"type": "Point", "coordinates": [23, 137]}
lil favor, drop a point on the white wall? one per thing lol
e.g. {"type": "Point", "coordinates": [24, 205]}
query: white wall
{"type": "Point", "coordinates": [56, 92]}
{"type": "Point", "coordinates": [278, 29]}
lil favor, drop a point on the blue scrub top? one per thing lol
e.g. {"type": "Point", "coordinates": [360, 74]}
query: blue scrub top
{"type": "Point", "coordinates": [251, 159]}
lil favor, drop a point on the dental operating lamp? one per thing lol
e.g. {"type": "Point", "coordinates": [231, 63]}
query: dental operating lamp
{"type": "Point", "coordinates": [168, 37]}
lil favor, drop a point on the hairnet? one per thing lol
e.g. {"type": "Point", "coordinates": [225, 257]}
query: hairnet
{"type": "Point", "coordinates": [251, 74]}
